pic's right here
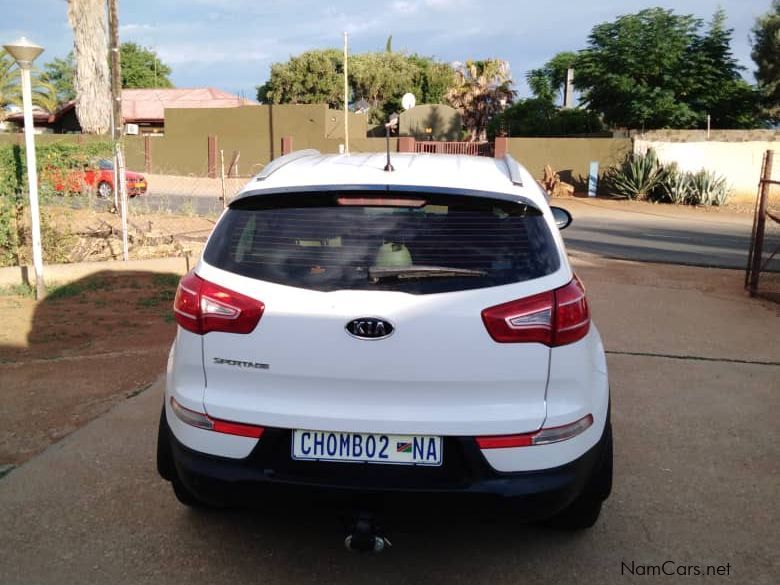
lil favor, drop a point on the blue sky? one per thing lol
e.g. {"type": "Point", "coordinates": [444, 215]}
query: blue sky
{"type": "Point", "coordinates": [230, 44]}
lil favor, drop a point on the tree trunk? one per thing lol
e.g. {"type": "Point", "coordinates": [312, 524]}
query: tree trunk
{"type": "Point", "coordinates": [92, 82]}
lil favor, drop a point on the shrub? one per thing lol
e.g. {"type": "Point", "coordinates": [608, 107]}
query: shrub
{"type": "Point", "coordinates": [639, 176]}
{"type": "Point", "coordinates": [54, 160]}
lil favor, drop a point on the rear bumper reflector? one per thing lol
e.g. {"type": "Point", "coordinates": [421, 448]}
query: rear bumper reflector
{"type": "Point", "coordinates": [204, 421]}
{"type": "Point", "coordinates": [540, 437]}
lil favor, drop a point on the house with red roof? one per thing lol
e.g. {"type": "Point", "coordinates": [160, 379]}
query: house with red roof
{"type": "Point", "coordinates": [144, 108]}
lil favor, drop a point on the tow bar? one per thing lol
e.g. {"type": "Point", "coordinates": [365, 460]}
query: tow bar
{"type": "Point", "coordinates": [363, 534]}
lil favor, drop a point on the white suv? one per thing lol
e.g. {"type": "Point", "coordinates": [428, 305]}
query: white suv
{"type": "Point", "coordinates": [414, 330]}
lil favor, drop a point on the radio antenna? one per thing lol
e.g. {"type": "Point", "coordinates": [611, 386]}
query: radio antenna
{"type": "Point", "coordinates": [393, 122]}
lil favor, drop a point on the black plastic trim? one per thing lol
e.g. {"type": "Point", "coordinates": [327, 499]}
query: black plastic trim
{"type": "Point", "coordinates": [540, 493]}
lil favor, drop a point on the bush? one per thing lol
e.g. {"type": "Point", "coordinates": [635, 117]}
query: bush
{"type": "Point", "coordinates": [539, 117]}
{"type": "Point", "coordinates": [55, 160]}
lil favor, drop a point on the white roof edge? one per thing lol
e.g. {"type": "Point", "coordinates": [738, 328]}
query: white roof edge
{"type": "Point", "coordinates": [278, 163]}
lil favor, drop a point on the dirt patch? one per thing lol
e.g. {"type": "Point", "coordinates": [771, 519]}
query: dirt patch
{"type": "Point", "coordinates": [71, 357]}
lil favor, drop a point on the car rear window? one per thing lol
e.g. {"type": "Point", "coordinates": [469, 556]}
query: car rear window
{"type": "Point", "coordinates": [418, 244]}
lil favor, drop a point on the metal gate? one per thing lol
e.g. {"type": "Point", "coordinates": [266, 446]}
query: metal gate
{"type": "Point", "coordinates": [762, 276]}
{"type": "Point", "coordinates": [441, 147]}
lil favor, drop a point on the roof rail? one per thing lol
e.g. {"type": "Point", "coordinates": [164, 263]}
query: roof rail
{"type": "Point", "coordinates": [514, 170]}
{"type": "Point", "coordinates": [278, 163]}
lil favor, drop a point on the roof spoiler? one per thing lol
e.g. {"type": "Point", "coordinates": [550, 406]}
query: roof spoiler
{"type": "Point", "coordinates": [278, 163]}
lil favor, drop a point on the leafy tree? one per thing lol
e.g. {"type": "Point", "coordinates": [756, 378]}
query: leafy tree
{"type": "Point", "coordinates": [479, 90]}
{"type": "Point", "coordinates": [312, 77]}
{"type": "Point", "coordinates": [382, 79]}
{"type": "Point", "coordinates": [717, 85]}
{"type": "Point", "coordinates": [59, 73]}
{"type": "Point", "coordinates": [766, 55]}
{"type": "Point", "coordinates": [540, 117]}
{"type": "Point", "coordinates": [379, 78]}
{"type": "Point", "coordinates": [549, 81]}
{"type": "Point", "coordinates": [142, 68]}
{"type": "Point", "coordinates": [654, 69]}
{"type": "Point", "coordinates": [432, 81]}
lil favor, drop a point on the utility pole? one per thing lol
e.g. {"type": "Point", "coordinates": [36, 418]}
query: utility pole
{"type": "Point", "coordinates": [346, 98]}
{"type": "Point", "coordinates": [117, 122]}
{"type": "Point", "coordinates": [568, 89]}
{"type": "Point", "coordinates": [116, 72]}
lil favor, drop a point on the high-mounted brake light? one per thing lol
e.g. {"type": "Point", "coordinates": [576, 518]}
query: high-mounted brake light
{"type": "Point", "coordinates": [540, 437]}
{"type": "Point", "coordinates": [201, 306]}
{"type": "Point", "coordinates": [204, 421]}
{"type": "Point", "coordinates": [381, 202]}
{"type": "Point", "coordinates": [553, 318]}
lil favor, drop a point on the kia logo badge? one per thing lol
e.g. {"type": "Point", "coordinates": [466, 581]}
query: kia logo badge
{"type": "Point", "coordinates": [369, 328]}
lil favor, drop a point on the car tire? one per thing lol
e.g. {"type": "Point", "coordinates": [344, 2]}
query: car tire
{"type": "Point", "coordinates": [584, 511]}
{"type": "Point", "coordinates": [104, 190]}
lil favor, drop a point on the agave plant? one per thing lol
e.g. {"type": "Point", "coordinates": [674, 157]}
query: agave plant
{"type": "Point", "coordinates": [708, 188]}
{"type": "Point", "coordinates": [638, 177]}
{"type": "Point", "coordinates": [676, 185]}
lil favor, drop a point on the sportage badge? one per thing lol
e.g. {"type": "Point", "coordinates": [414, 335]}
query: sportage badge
{"type": "Point", "coordinates": [369, 328]}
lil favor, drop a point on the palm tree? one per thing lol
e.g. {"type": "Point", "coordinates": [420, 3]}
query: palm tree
{"type": "Point", "coordinates": [10, 89]}
{"type": "Point", "coordinates": [92, 82]}
{"type": "Point", "coordinates": [44, 94]}
{"type": "Point", "coordinates": [481, 90]}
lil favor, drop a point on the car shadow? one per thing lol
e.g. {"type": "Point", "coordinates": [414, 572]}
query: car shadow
{"type": "Point", "coordinates": [71, 357]}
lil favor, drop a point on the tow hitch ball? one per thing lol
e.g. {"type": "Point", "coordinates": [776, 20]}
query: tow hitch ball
{"type": "Point", "coordinates": [363, 536]}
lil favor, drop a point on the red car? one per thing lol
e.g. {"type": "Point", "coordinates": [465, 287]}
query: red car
{"type": "Point", "coordinates": [100, 179]}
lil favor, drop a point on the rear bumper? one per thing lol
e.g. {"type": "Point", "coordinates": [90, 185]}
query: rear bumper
{"type": "Point", "coordinates": [269, 467]}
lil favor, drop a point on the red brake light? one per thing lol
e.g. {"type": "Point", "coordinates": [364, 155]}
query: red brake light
{"type": "Point", "coordinates": [201, 306]}
{"type": "Point", "coordinates": [572, 316]}
{"type": "Point", "coordinates": [553, 318]}
{"type": "Point", "coordinates": [381, 202]}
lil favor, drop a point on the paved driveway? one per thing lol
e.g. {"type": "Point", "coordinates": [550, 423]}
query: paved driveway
{"type": "Point", "coordinates": [695, 402]}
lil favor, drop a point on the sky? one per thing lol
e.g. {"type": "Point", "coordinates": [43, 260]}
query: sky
{"type": "Point", "coordinates": [231, 44]}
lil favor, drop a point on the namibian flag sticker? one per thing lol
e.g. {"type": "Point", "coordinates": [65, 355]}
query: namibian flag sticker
{"type": "Point", "coordinates": [403, 447]}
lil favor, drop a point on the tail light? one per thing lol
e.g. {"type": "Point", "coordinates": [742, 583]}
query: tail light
{"type": "Point", "coordinates": [553, 318]}
{"type": "Point", "coordinates": [540, 437]}
{"type": "Point", "coordinates": [201, 306]}
{"type": "Point", "coordinates": [204, 421]}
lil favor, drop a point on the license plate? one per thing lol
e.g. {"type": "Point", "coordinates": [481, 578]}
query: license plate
{"type": "Point", "coordinates": [366, 448]}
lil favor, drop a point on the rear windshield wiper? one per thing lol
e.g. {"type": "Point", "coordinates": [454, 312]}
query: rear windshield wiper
{"type": "Point", "coordinates": [377, 273]}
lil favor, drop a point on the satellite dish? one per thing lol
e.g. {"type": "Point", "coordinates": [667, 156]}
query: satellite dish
{"type": "Point", "coordinates": [408, 101]}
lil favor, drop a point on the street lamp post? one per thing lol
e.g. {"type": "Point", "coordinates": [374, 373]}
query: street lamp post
{"type": "Point", "coordinates": [24, 53]}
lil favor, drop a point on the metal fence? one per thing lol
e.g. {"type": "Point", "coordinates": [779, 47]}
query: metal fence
{"type": "Point", "coordinates": [762, 276]}
{"type": "Point", "coordinates": [470, 148]}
